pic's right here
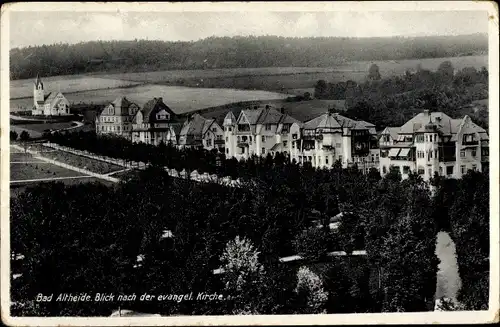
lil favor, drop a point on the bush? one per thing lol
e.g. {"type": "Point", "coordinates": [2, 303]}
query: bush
{"type": "Point", "coordinates": [313, 244]}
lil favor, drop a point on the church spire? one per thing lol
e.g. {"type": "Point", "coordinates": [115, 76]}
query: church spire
{"type": "Point", "coordinates": [38, 81]}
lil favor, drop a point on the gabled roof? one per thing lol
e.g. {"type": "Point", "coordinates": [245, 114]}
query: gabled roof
{"type": "Point", "coordinates": [323, 121]}
{"type": "Point", "coordinates": [444, 124]}
{"type": "Point", "coordinates": [251, 115]}
{"type": "Point", "coordinates": [392, 131]}
{"type": "Point", "coordinates": [269, 116]}
{"type": "Point", "coordinates": [196, 126]}
{"type": "Point", "coordinates": [152, 107]}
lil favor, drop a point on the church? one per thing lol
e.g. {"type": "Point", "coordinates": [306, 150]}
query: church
{"type": "Point", "coordinates": [52, 104]}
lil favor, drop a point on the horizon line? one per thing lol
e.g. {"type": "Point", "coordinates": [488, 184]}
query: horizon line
{"type": "Point", "coordinates": [250, 36]}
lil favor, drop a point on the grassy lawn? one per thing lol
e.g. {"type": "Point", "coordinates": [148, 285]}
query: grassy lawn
{"type": "Point", "coordinates": [93, 165]}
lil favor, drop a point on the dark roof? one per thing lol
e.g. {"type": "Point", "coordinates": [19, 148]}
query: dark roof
{"type": "Point", "coordinates": [152, 107]}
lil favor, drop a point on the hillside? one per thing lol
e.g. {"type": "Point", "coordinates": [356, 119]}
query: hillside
{"type": "Point", "coordinates": [234, 52]}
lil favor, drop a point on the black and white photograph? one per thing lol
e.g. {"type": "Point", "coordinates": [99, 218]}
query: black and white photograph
{"type": "Point", "coordinates": [228, 163]}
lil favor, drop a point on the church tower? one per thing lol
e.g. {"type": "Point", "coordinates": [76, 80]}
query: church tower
{"type": "Point", "coordinates": [38, 93]}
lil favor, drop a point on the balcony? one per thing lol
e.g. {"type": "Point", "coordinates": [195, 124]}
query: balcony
{"type": "Point", "coordinates": [219, 142]}
{"type": "Point", "coordinates": [470, 143]}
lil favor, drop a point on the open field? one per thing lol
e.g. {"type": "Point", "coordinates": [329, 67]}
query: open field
{"type": "Point", "coordinates": [65, 84]}
{"type": "Point", "coordinates": [285, 78]}
{"type": "Point", "coordinates": [180, 99]}
{"type": "Point", "coordinates": [211, 84]}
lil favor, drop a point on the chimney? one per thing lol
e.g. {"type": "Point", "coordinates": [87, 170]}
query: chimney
{"type": "Point", "coordinates": [426, 112]}
{"type": "Point", "coordinates": [282, 110]}
{"type": "Point", "coordinates": [160, 99]}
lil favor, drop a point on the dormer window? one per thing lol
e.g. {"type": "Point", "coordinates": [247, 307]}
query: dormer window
{"type": "Point", "coordinates": [163, 115]}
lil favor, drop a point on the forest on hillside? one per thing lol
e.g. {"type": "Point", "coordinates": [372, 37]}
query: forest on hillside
{"type": "Point", "coordinates": [231, 52]}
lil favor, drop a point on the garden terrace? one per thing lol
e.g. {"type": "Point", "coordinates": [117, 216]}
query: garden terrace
{"type": "Point", "coordinates": [92, 165]}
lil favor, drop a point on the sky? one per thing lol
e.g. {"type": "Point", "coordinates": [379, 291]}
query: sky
{"type": "Point", "coordinates": [38, 28]}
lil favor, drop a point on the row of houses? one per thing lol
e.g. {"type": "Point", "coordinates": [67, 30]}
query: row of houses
{"type": "Point", "coordinates": [429, 143]}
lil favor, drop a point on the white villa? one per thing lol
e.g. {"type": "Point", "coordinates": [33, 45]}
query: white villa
{"type": "Point", "coordinates": [331, 137]}
{"type": "Point", "coordinates": [116, 118]}
{"type": "Point", "coordinates": [431, 143]}
{"type": "Point", "coordinates": [258, 131]}
{"type": "Point", "coordinates": [52, 104]}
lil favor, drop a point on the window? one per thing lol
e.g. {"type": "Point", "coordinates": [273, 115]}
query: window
{"type": "Point", "coordinates": [420, 170]}
{"type": "Point", "coordinates": [384, 170]}
{"type": "Point", "coordinates": [227, 139]}
{"type": "Point", "coordinates": [430, 138]}
{"type": "Point", "coordinates": [429, 154]}
{"type": "Point", "coordinates": [462, 153]}
{"type": "Point", "coordinates": [263, 150]}
{"type": "Point", "coordinates": [326, 160]}
{"type": "Point", "coordinates": [440, 171]}
{"type": "Point", "coordinates": [430, 172]}
{"type": "Point", "coordinates": [294, 136]}
{"type": "Point", "coordinates": [485, 152]}
{"type": "Point", "coordinates": [337, 145]}
{"type": "Point", "coordinates": [462, 169]}
{"type": "Point", "coordinates": [293, 145]}
{"type": "Point", "coordinates": [340, 158]}
{"type": "Point", "coordinates": [406, 169]}
{"type": "Point", "coordinates": [449, 170]}
{"type": "Point", "coordinates": [214, 129]}
{"type": "Point", "coordinates": [436, 153]}
{"type": "Point", "coordinates": [230, 129]}
{"type": "Point", "coordinates": [474, 167]}
{"type": "Point", "coordinates": [319, 160]}
{"type": "Point", "coordinates": [263, 138]}
{"type": "Point", "coordinates": [268, 127]}
{"type": "Point", "coordinates": [309, 158]}
{"type": "Point", "coordinates": [227, 150]}
{"type": "Point", "coordinates": [285, 143]}
{"type": "Point", "coordinates": [474, 153]}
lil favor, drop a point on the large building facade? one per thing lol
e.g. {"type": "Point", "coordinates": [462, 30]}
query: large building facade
{"type": "Point", "coordinates": [156, 123]}
{"type": "Point", "coordinates": [329, 138]}
{"type": "Point", "coordinates": [116, 118]}
{"type": "Point", "coordinates": [433, 143]}
{"type": "Point", "coordinates": [258, 131]}
{"type": "Point", "coordinates": [51, 104]}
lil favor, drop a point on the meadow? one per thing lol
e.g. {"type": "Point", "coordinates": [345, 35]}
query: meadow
{"type": "Point", "coordinates": [179, 99]}
{"type": "Point", "coordinates": [284, 79]}
{"type": "Point", "coordinates": [190, 90]}
{"type": "Point", "coordinates": [66, 84]}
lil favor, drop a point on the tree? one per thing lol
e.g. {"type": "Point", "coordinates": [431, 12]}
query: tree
{"type": "Point", "coordinates": [310, 290]}
{"type": "Point", "coordinates": [408, 254]}
{"type": "Point", "coordinates": [446, 71]}
{"type": "Point", "coordinates": [243, 276]}
{"type": "Point", "coordinates": [374, 73]}
{"type": "Point", "coordinates": [320, 89]}
{"type": "Point", "coordinates": [470, 230]}
{"type": "Point", "coordinates": [24, 137]}
{"type": "Point", "coordinates": [313, 244]}
{"type": "Point", "coordinates": [13, 136]}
